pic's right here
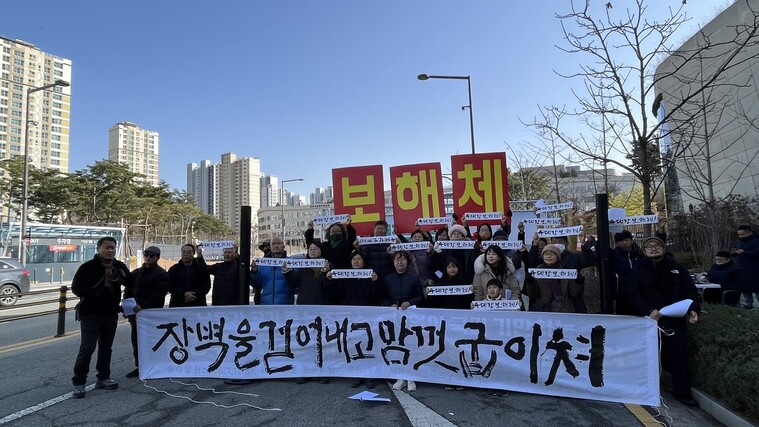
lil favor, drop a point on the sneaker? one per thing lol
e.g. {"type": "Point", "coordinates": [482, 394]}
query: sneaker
{"type": "Point", "coordinates": [108, 384]}
{"type": "Point", "coordinates": [399, 384]}
{"type": "Point", "coordinates": [411, 386]}
{"type": "Point", "coordinates": [356, 383]}
{"type": "Point", "coordinates": [370, 384]}
{"type": "Point", "coordinates": [78, 392]}
{"type": "Point", "coordinates": [324, 380]}
{"type": "Point", "coordinates": [133, 374]}
{"type": "Point", "coordinates": [302, 380]}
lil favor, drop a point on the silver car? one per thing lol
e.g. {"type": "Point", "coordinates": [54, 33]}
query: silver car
{"type": "Point", "coordinates": [14, 278]}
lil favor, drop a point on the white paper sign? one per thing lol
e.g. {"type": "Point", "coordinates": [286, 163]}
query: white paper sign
{"type": "Point", "coordinates": [220, 244]}
{"type": "Point", "coordinates": [483, 216]}
{"type": "Point", "coordinates": [564, 231]}
{"type": "Point", "coordinates": [556, 207]}
{"type": "Point", "coordinates": [455, 244]}
{"type": "Point", "coordinates": [506, 245]}
{"type": "Point", "coordinates": [597, 357]}
{"type": "Point", "coordinates": [355, 273]}
{"type": "Point", "coordinates": [542, 221]}
{"type": "Point", "coordinates": [678, 309]}
{"type": "Point", "coordinates": [554, 273]}
{"type": "Point", "coordinates": [631, 220]}
{"type": "Point", "coordinates": [410, 246]}
{"type": "Point", "coordinates": [442, 220]}
{"type": "Point", "coordinates": [291, 262]}
{"type": "Point", "coordinates": [376, 240]}
{"type": "Point", "coordinates": [449, 290]}
{"type": "Point", "coordinates": [501, 304]}
{"type": "Point", "coordinates": [331, 219]}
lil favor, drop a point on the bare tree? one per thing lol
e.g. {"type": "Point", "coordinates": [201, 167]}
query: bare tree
{"type": "Point", "coordinates": [623, 47]}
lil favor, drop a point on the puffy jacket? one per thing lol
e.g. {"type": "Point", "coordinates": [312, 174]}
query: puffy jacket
{"type": "Point", "coordinates": [552, 294]}
{"type": "Point", "coordinates": [403, 287]}
{"type": "Point", "coordinates": [272, 284]}
{"type": "Point", "coordinates": [483, 273]}
{"type": "Point", "coordinates": [310, 284]}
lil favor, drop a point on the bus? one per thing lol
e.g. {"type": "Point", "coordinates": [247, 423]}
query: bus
{"type": "Point", "coordinates": [55, 251]}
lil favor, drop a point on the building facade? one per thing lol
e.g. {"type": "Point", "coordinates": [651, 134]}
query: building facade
{"type": "Point", "coordinates": [269, 191]}
{"type": "Point", "coordinates": [23, 66]}
{"type": "Point", "coordinates": [222, 189]}
{"type": "Point", "coordinates": [709, 95]}
{"type": "Point", "coordinates": [135, 147]}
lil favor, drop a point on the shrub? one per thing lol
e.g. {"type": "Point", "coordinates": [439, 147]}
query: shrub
{"type": "Point", "coordinates": [724, 356]}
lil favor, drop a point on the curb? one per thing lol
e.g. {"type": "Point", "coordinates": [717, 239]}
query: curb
{"type": "Point", "coordinates": [720, 412]}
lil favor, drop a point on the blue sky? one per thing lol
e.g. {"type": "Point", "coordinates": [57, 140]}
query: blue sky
{"type": "Point", "coordinates": [306, 86]}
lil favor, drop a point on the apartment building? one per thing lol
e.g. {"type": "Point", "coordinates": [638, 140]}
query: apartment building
{"type": "Point", "coordinates": [135, 147]}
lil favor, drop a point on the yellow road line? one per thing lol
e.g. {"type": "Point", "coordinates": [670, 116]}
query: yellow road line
{"type": "Point", "coordinates": [45, 340]}
{"type": "Point", "coordinates": [642, 415]}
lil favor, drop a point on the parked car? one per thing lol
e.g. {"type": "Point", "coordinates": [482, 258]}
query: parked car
{"type": "Point", "coordinates": [14, 279]}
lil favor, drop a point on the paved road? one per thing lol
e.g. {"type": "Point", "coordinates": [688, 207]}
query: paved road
{"type": "Point", "coordinates": [36, 392]}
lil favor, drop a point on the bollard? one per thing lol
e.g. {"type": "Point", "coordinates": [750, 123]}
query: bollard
{"type": "Point", "coordinates": [61, 275]}
{"type": "Point", "coordinates": [34, 276]}
{"type": "Point", "coordinates": [62, 312]}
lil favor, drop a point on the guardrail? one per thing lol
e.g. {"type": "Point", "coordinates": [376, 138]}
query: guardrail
{"type": "Point", "coordinates": [21, 302]}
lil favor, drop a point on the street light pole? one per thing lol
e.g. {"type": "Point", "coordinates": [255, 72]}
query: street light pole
{"type": "Point", "coordinates": [469, 87]}
{"type": "Point", "coordinates": [282, 200]}
{"type": "Point", "coordinates": [25, 197]}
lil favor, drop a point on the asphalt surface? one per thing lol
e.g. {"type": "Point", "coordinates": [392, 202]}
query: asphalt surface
{"type": "Point", "coordinates": [36, 390]}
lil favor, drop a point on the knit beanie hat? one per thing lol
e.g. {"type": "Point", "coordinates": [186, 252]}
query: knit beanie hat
{"type": "Point", "coordinates": [552, 248]}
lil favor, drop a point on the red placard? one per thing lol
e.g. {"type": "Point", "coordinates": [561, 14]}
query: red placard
{"type": "Point", "coordinates": [480, 184]}
{"type": "Point", "coordinates": [417, 193]}
{"type": "Point", "coordinates": [359, 192]}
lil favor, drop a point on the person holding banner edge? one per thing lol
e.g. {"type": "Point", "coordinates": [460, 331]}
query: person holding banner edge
{"type": "Point", "coordinates": [656, 282]}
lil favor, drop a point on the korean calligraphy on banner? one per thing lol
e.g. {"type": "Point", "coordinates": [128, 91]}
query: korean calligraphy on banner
{"type": "Point", "coordinates": [480, 184]}
{"type": "Point", "coordinates": [417, 193]}
{"type": "Point", "coordinates": [608, 358]}
{"type": "Point", "coordinates": [359, 192]}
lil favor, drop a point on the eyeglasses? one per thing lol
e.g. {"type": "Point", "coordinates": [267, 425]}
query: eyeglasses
{"type": "Point", "coordinates": [150, 254]}
{"type": "Point", "coordinates": [652, 247]}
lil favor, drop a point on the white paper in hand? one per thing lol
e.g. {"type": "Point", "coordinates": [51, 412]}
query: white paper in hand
{"type": "Point", "coordinates": [678, 309]}
{"type": "Point", "coordinates": [128, 305]}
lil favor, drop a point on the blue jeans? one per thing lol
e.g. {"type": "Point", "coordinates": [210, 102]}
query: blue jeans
{"type": "Point", "coordinates": [97, 330]}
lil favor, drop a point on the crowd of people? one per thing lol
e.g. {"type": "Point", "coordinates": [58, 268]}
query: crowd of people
{"type": "Point", "coordinates": [647, 280]}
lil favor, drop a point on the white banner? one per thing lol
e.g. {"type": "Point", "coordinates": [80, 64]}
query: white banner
{"type": "Point", "coordinates": [449, 290]}
{"type": "Point", "coordinates": [564, 231]}
{"type": "Point", "coordinates": [331, 219]}
{"type": "Point", "coordinates": [501, 304]}
{"type": "Point", "coordinates": [442, 220]}
{"type": "Point", "coordinates": [455, 244]}
{"type": "Point", "coordinates": [503, 244]}
{"type": "Point", "coordinates": [291, 262]}
{"type": "Point", "coordinates": [356, 273]}
{"type": "Point", "coordinates": [554, 208]}
{"type": "Point", "coordinates": [554, 273]}
{"type": "Point", "coordinates": [483, 216]}
{"type": "Point", "coordinates": [631, 220]}
{"type": "Point", "coordinates": [220, 244]}
{"type": "Point", "coordinates": [542, 221]}
{"type": "Point", "coordinates": [608, 358]}
{"type": "Point", "coordinates": [410, 246]}
{"type": "Point", "coordinates": [376, 240]}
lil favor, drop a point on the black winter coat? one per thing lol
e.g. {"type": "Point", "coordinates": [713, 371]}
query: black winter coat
{"type": "Point", "coordinates": [656, 285]}
{"type": "Point", "coordinates": [192, 278]}
{"type": "Point", "coordinates": [148, 287]}
{"type": "Point", "coordinates": [89, 284]}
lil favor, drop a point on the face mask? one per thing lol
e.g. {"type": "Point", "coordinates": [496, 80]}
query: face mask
{"type": "Point", "coordinates": [335, 238]}
{"type": "Point", "coordinates": [560, 246]}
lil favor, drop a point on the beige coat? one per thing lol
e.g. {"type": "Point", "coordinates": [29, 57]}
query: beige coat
{"type": "Point", "coordinates": [483, 273]}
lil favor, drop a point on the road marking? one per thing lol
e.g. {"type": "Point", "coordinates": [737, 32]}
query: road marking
{"type": "Point", "coordinates": [644, 416]}
{"type": "Point", "coordinates": [46, 404]}
{"type": "Point", "coordinates": [419, 414]}
{"type": "Point", "coordinates": [34, 343]}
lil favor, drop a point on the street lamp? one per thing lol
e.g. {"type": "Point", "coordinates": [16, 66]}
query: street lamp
{"type": "Point", "coordinates": [469, 86]}
{"type": "Point", "coordinates": [25, 197]}
{"type": "Point", "coordinates": [282, 200]}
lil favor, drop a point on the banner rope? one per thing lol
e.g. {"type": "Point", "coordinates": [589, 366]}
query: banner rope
{"type": "Point", "coordinates": [214, 391]}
